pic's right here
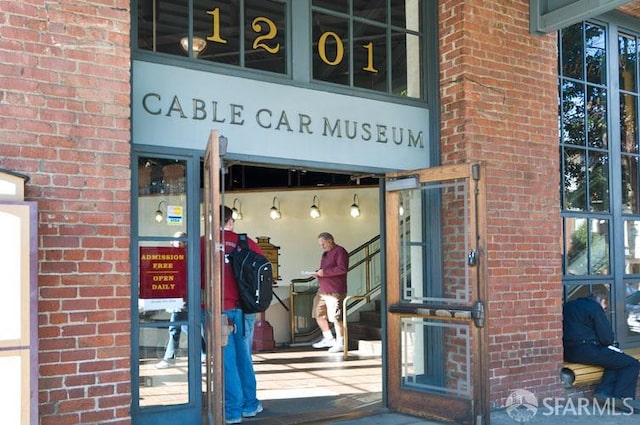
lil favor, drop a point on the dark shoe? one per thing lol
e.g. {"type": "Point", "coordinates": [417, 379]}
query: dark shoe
{"type": "Point", "coordinates": [633, 404]}
{"type": "Point", "coordinates": [601, 398]}
{"type": "Point", "coordinates": [626, 405]}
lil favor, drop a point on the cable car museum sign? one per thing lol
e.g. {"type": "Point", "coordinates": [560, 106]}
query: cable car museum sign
{"type": "Point", "coordinates": [179, 107]}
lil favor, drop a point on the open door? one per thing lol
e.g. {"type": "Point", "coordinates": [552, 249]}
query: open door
{"type": "Point", "coordinates": [214, 381]}
{"type": "Point", "coordinates": [436, 294]}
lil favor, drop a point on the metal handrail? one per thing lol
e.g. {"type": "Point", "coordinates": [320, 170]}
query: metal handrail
{"type": "Point", "coordinates": [345, 315]}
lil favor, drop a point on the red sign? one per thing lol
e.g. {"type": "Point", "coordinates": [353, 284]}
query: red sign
{"type": "Point", "coordinates": [163, 272]}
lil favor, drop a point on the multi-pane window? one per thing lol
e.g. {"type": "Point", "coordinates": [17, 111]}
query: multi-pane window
{"type": "Point", "coordinates": [600, 176]}
{"type": "Point", "coordinates": [247, 33]}
{"type": "Point", "coordinates": [373, 45]}
{"type": "Point", "coordinates": [584, 150]}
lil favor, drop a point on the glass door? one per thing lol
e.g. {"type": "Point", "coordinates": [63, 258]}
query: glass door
{"type": "Point", "coordinates": [436, 294]}
{"type": "Point", "coordinates": [168, 344]}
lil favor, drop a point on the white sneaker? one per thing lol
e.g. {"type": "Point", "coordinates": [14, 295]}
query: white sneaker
{"type": "Point", "coordinates": [251, 414]}
{"type": "Point", "coordinates": [165, 364]}
{"type": "Point", "coordinates": [336, 349]}
{"type": "Point", "coordinates": [324, 343]}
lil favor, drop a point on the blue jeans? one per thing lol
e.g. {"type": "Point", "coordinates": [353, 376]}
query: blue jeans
{"type": "Point", "coordinates": [174, 335]}
{"type": "Point", "coordinates": [239, 376]}
{"type": "Point", "coordinates": [249, 326]}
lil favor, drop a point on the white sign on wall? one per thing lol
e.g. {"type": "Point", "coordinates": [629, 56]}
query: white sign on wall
{"type": "Point", "coordinates": [179, 107]}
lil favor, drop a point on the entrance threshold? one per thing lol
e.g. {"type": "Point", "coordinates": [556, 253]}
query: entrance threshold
{"type": "Point", "coordinates": [300, 385]}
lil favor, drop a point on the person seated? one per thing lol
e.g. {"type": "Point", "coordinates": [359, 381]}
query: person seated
{"type": "Point", "coordinates": [589, 339]}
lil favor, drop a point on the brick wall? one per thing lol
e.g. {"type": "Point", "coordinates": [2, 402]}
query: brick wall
{"type": "Point", "coordinates": [64, 122]}
{"type": "Point", "coordinates": [499, 105]}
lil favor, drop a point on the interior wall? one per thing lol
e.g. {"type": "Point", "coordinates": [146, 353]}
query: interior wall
{"type": "Point", "coordinates": [296, 232]}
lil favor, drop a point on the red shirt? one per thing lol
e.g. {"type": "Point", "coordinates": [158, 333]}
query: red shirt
{"type": "Point", "coordinates": [334, 265]}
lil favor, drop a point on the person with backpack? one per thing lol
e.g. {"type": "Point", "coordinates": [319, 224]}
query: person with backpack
{"type": "Point", "coordinates": [332, 281]}
{"type": "Point", "coordinates": [239, 376]}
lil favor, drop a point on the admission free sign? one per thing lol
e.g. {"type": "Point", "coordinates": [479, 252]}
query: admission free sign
{"type": "Point", "coordinates": [163, 272]}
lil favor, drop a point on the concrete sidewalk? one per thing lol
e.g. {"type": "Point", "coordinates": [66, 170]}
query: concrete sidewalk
{"type": "Point", "coordinates": [543, 416]}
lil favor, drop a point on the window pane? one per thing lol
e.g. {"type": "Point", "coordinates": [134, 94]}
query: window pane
{"type": "Point", "coordinates": [630, 177]}
{"type": "Point", "coordinates": [599, 247]}
{"type": "Point", "coordinates": [573, 113]}
{"type": "Point", "coordinates": [405, 65]}
{"type": "Point", "coordinates": [575, 248]}
{"type": "Point", "coordinates": [436, 356]}
{"type": "Point", "coordinates": [632, 246]}
{"type": "Point", "coordinates": [573, 292]}
{"type": "Point", "coordinates": [586, 246]}
{"type": "Point", "coordinates": [220, 26]}
{"type": "Point", "coordinates": [575, 187]}
{"type": "Point", "coordinates": [597, 116]}
{"type": "Point", "coordinates": [632, 308]}
{"type": "Point", "coordinates": [627, 59]}
{"type": "Point", "coordinates": [337, 5]}
{"type": "Point", "coordinates": [162, 387]}
{"type": "Point", "coordinates": [265, 35]}
{"type": "Point", "coordinates": [595, 54]}
{"type": "Point", "coordinates": [161, 25]}
{"type": "Point", "coordinates": [370, 57]}
{"type": "Point", "coordinates": [330, 49]}
{"type": "Point", "coordinates": [375, 10]}
{"type": "Point", "coordinates": [628, 123]}
{"type": "Point", "coordinates": [598, 181]}
{"type": "Point", "coordinates": [162, 201]}
{"type": "Point", "coordinates": [406, 14]}
{"type": "Point", "coordinates": [572, 53]}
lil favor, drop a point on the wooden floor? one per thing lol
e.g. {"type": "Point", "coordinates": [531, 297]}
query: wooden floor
{"type": "Point", "coordinates": [295, 385]}
{"type": "Point", "coordinates": [298, 386]}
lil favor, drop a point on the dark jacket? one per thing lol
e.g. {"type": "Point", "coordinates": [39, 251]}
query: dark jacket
{"type": "Point", "coordinates": [584, 320]}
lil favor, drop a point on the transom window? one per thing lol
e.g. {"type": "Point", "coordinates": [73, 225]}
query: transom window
{"type": "Point", "coordinates": [372, 45]}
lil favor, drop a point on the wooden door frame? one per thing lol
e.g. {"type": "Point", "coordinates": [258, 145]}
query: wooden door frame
{"type": "Point", "coordinates": [213, 283]}
{"type": "Point", "coordinates": [445, 407]}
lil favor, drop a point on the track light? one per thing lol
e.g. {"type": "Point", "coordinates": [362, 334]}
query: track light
{"type": "Point", "coordinates": [314, 211]}
{"type": "Point", "coordinates": [274, 213]}
{"type": "Point", "coordinates": [355, 209]}
{"type": "Point", "coordinates": [159, 213]}
{"type": "Point", "coordinates": [236, 213]}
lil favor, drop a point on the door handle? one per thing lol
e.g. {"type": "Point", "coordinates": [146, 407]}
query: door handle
{"type": "Point", "coordinates": [472, 258]}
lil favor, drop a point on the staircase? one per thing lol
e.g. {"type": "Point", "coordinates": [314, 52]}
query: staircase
{"type": "Point", "coordinates": [365, 334]}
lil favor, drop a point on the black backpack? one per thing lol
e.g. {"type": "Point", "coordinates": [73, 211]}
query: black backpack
{"type": "Point", "coordinates": [254, 275]}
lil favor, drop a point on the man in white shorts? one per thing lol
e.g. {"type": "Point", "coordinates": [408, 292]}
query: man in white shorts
{"type": "Point", "coordinates": [332, 280]}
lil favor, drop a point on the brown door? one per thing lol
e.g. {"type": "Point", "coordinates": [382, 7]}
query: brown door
{"type": "Point", "coordinates": [436, 294]}
{"type": "Point", "coordinates": [213, 379]}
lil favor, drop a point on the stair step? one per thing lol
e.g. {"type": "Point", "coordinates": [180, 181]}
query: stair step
{"type": "Point", "coordinates": [370, 348]}
{"type": "Point", "coordinates": [370, 317]}
{"type": "Point", "coordinates": [363, 331]}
